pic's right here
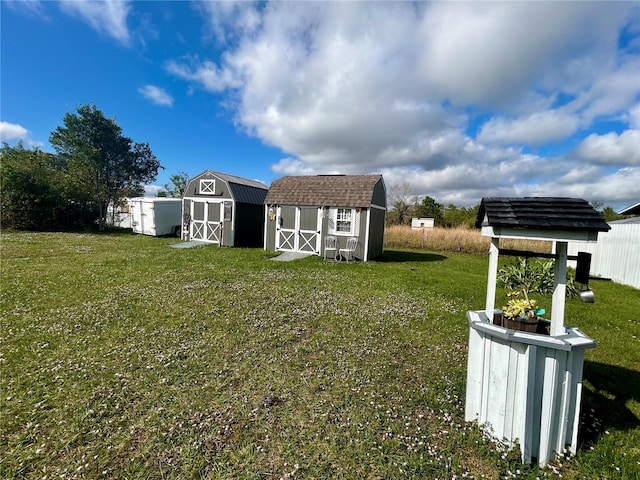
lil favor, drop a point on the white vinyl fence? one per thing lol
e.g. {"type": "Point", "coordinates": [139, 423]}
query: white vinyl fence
{"type": "Point", "coordinates": [616, 255]}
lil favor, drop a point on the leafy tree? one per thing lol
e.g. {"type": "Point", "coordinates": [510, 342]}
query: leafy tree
{"type": "Point", "coordinates": [37, 193]}
{"type": "Point", "coordinates": [401, 213]}
{"type": "Point", "coordinates": [31, 188]}
{"type": "Point", "coordinates": [177, 186]}
{"type": "Point", "coordinates": [460, 217]}
{"type": "Point", "coordinates": [429, 208]}
{"type": "Point", "coordinates": [610, 214]}
{"type": "Point", "coordinates": [403, 209]}
{"type": "Point", "coordinates": [105, 165]}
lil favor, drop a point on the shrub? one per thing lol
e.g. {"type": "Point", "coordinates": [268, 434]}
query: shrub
{"type": "Point", "coordinates": [533, 275]}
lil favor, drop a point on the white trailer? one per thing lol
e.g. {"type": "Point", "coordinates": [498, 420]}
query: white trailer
{"type": "Point", "coordinates": [156, 216]}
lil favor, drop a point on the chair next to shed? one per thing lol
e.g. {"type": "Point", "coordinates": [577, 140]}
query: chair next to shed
{"type": "Point", "coordinates": [349, 250]}
{"type": "Point", "coordinates": [330, 247]}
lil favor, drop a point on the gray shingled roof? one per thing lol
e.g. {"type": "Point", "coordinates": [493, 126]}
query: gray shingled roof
{"type": "Point", "coordinates": [540, 213]}
{"type": "Point", "coordinates": [323, 190]}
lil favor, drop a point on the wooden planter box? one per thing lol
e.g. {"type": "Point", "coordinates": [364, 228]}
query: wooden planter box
{"type": "Point", "coordinates": [521, 325]}
{"type": "Point", "coordinates": [536, 325]}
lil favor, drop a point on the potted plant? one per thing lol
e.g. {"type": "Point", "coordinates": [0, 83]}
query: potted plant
{"type": "Point", "coordinates": [521, 313]}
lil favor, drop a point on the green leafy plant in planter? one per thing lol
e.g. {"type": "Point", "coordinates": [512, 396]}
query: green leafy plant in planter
{"type": "Point", "coordinates": [534, 275]}
{"type": "Point", "coordinates": [521, 313]}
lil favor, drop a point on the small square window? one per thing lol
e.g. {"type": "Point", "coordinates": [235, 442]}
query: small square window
{"type": "Point", "coordinates": [343, 220]}
{"type": "Point", "coordinates": [207, 186]}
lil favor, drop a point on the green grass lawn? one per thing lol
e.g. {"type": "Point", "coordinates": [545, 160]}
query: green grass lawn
{"type": "Point", "coordinates": [123, 358]}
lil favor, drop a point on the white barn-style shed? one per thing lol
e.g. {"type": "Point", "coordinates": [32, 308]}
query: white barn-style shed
{"type": "Point", "coordinates": [526, 387]}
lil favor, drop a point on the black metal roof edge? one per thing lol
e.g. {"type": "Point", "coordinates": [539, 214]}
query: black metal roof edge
{"type": "Point", "coordinates": [229, 178]}
{"type": "Point", "coordinates": [630, 210]}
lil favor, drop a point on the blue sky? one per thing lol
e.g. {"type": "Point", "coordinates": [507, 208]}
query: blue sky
{"type": "Point", "coordinates": [453, 100]}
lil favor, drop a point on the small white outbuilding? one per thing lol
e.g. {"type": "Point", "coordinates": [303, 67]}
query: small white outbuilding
{"type": "Point", "coordinates": [156, 216]}
{"type": "Point", "coordinates": [420, 223]}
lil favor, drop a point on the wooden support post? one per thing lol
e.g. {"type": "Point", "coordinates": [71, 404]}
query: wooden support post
{"type": "Point", "coordinates": [494, 252]}
{"type": "Point", "coordinates": [559, 290]}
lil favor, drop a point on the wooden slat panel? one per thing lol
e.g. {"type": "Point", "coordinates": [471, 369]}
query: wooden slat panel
{"type": "Point", "coordinates": [515, 408]}
{"type": "Point", "coordinates": [547, 411]}
{"type": "Point", "coordinates": [576, 396]}
{"type": "Point", "coordinates": [496, 398]}
{"type": "Point", "coordinates": [526, 390]}
{"type": "Point", "coordinates": [475, 374]}
{"type": "Point", "coordinates": [522, 391]}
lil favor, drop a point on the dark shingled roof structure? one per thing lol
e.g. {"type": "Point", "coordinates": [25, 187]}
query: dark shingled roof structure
{"type": "Point", "coordinates": [323, 190]}
{"type": "Point", "coordinates": [540, 213]}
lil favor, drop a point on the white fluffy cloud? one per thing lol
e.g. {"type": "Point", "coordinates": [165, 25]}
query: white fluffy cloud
{"type": "Point", "coordinates": [535, 129]}
{"type": "Point", "coordinates": [633, 117]}
{"type": "Point", "coordinates": [157, 95]}
{"type": "Point", "coordinates": [403, 88]}
{"type": "Point", "coordinates": [207, 74]}
{"type": "Point", "coordinates": [12, 133]}
{"type": "Point", "coordinates": [619, 187]}
{"type": "Point", "coordinates": [108, 17]}
{"type": "Point", "coordinates": [611, 148]}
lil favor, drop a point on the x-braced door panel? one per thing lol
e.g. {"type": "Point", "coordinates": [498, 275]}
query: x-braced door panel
{"type": "Point", "coordinates": [214, 232]}
{"type": "Point", "coordinates": [299, 229]}
{"type": "Point", "coordinates": [308, 221]}
{"type": "Point", "coordinates": [286, 229]}
{"type": "Point", "coordinates": [197, 230]}
{"type": "Point", "coordinates": [287, 240]}
{"type": "Point", "coordinates": [307, 241]}
{"type": "Point", "coordinates": [206, 224]}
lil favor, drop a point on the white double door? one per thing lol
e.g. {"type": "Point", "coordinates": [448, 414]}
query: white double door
{"type": "Point", "coordinates": [298, 229]}
{"type": "Point", "coordinates": [206, 221]}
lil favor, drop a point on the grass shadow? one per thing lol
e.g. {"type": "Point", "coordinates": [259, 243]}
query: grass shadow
{"type": "Point", "coordinates": [604, 406]}
{"type": "Point", "coordinates": [399, 256]}
{"type": "Point", "coordinates": [113, 231]}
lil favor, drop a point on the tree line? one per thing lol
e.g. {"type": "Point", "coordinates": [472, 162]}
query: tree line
{"type": "Point", "coordinates": [403, 209]}
{"type": "Point", "coordinates": [94, 165]}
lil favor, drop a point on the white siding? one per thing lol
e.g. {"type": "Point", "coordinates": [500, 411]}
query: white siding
{"type": "Point", "coordinates": [525, 388]}
{"type": "Point", "coordinates": [616, 255]}
{"type": "Point", "coordinates": [417, 223]}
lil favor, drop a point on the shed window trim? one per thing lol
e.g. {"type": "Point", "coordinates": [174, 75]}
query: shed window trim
{"type": "Point", "coordinates": [207, 186]}
{"type": "Point", "coordinates": [343, 221]}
